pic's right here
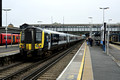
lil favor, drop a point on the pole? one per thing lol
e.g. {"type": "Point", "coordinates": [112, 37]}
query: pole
{"type": "Point", "coordinates": [6, 24]}
{"type": "Point", "coordinates": [90, 26]}
{"type": "Point", "coordinates": [108, 41]}
{"type": "Point", "coordinates": [103, 16]}
{"type": "Point", "coordinates": [0, 13]}
{"type": "Point", "coordinates": [104, 24]}
{"type": "Point", "coordinates": [6, 29]}
{"type": "Point", "coordinates": [108, 36]}
{"type": "Point", "coordinates": [105, 36]}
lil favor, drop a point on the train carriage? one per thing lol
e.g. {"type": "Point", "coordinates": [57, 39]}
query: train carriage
{"type": "Point", "coordinates": [34, 39]}
{"type": "Point", "coordinates": [10, 37]}
{"type": "Point", "coordinates": [3, 38]}
{"type": "Point", "coordinates": [17, 38]}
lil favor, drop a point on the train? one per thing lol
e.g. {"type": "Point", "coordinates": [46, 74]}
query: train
{"type": "Point", "coordinates": [11, 38]}
{"type": "Point", "coordinates": [37, 41]}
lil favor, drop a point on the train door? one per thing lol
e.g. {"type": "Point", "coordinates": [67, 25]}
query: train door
{"type": "Point", "coordinates": [46, 40]}
{"type": "Point", "coordinates": [49, 41]}
{"type": "Point", "coordinates": [0, 39]}
{"type": "Point", "coordinates": [13, 38]}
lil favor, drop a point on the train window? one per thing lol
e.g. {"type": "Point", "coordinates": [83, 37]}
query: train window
{"type": "Point", "coordinates": [17, 37]}
{"type": "Point", "coordinates": [38, 37]}
{"type": "Point", "coordinates": [55, 37]}
{"type": "Point", "coordinates": [62, 38]}
{"type": "Point", "coordinates": [65, 38]}
{"type": "Point", "coordinates": [9, 37]}
{"type": "Point", "coordinates": [29, 37]}
{"type": "Point", "coordinates": [4, 37]}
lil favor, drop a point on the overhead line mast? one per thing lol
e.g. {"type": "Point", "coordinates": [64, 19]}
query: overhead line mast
{"type": "Point", "coordinates": [0, 13]}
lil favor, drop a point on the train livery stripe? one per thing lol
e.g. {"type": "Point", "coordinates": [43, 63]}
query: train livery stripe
{"type": "Point", "coordinates": [20, 36]}
{"type": "Point", "coordinates": [43, 39]}
{"type": "Point", "coordinates": [29, 46]}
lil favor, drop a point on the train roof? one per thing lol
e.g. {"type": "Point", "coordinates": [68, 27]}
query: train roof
{"type": "Point", "coordinates": [53, 32]}
{"type": "Point", "coordinates": [5, 33]}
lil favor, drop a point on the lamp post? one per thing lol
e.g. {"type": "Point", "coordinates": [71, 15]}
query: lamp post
{"type": "Point", "coordinates": [104, 25]}
{"type": "Point", "coordinates": [90, 26]}
{"type": "Point", "coordinates": [6, 23]}
{"type": "Point", "coordinates": [108, 36]}
{"type": "Point", "coordinates": [103, 12]}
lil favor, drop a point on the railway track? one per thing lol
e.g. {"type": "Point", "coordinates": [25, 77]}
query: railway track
{"type": "Point", "coordinates": [10, 66]}
{"type": "Point", "coordinates": [36, 74]}
{"type": "Point", "coordinates": [29, 70]}
{"type": "Point", "coordinates": [56, 70]}
{"type": "Point", "coordinates": [8, 72]}
{"type": "Point", "coordinates": [18, 70]}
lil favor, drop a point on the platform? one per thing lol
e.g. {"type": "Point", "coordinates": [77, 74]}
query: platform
{"type": "Point", "coordinates": [97, 65]}
{"type": "Point", "coordinates": [118, 43]}
{"type": "Point", "coordinates": [115, 53]}
{"type": "Point", "coordinates": [104, 68]}
{"type": "Point", "coordinates": [13, 45]}
{"type": "Point", "coordinates": [11, 50]}
{"type": "Point", "coordinates": [75, 66]}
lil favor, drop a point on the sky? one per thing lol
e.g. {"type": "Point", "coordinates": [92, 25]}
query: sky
{"type": "Point", "coordinates": [48, 11]}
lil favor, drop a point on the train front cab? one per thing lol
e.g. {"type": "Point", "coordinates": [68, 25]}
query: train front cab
{"type": "Point", "coordinates": [114, 37]}
{"type": "Point", "coordinates": [31, 41]}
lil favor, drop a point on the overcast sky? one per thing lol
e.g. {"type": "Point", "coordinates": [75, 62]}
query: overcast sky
{"type": "Point", "coordinates": [74, 11]}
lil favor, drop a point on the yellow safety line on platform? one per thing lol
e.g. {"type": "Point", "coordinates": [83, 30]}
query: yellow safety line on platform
{"type": "Point", "coordinates": [9, 52]}
{"type": "Point", "coordinates": [115, 46]}
{"type": "Point", "coordinates": [82, 64]}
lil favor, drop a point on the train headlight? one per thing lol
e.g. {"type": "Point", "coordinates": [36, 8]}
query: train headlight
{"type": "Point", "coordinates": [22, 46]}
{"type": "Point", "coordinates": [37, 45]}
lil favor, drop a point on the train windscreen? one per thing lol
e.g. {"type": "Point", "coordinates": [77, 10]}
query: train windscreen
{"type": "Point", "coordinates": [22, 37]}
{"type": "Point", "coordinates": [28, 36]}
{"type": "Point", "coordinates": [38, 36]}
